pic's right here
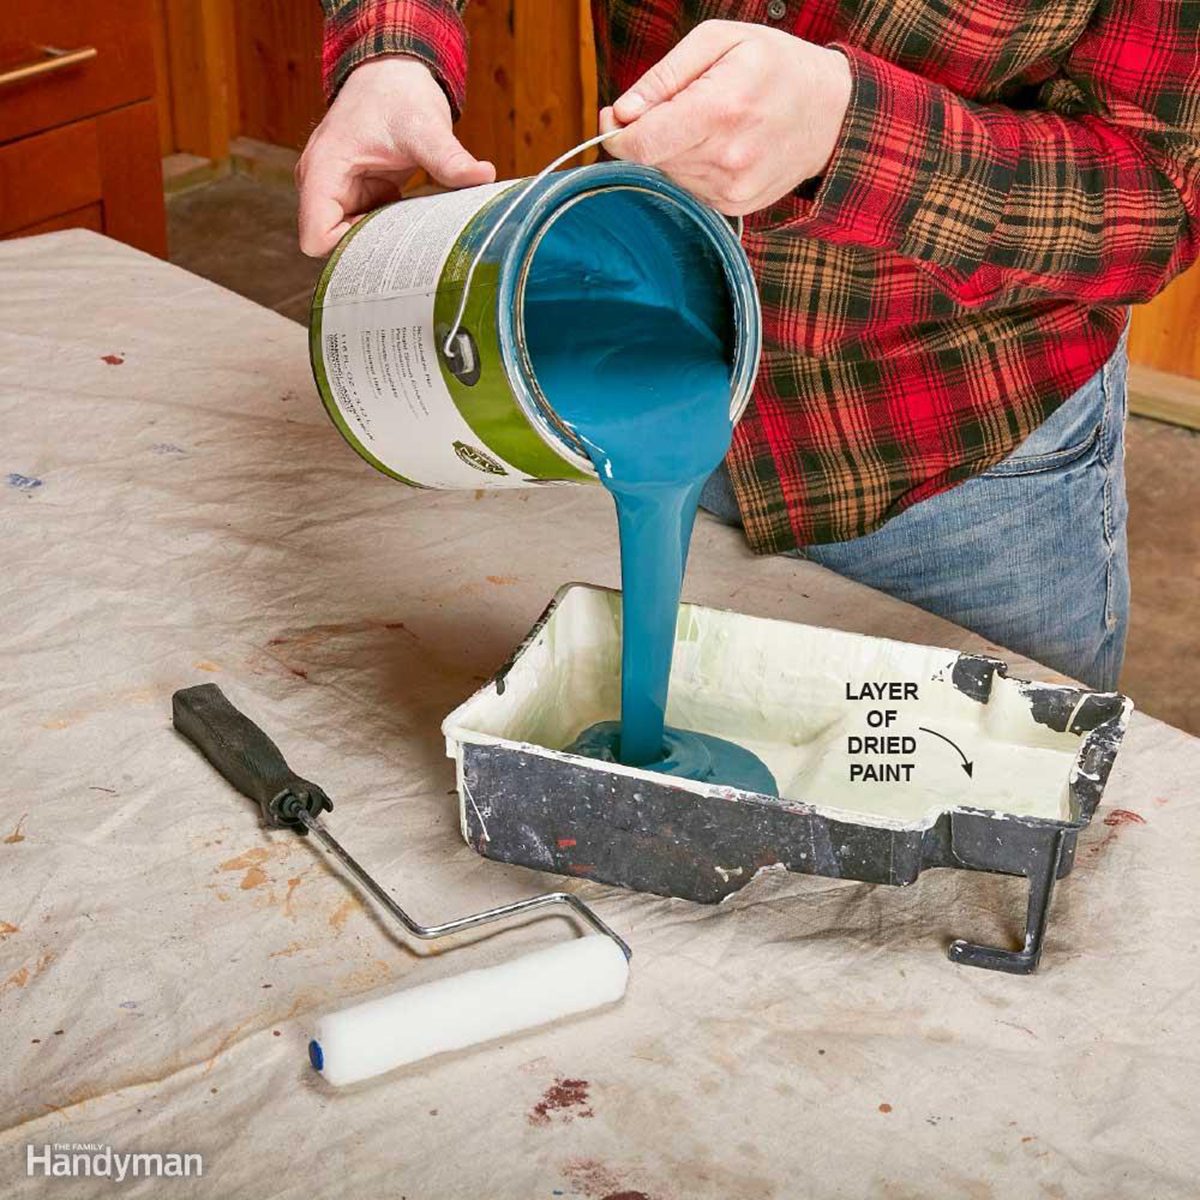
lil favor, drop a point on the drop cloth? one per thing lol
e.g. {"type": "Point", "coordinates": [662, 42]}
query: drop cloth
{"type": "Point", "coordinates": [175, 508]}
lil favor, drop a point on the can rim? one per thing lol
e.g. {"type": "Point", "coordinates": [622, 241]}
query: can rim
{"type": "Point", "coordinates": [570, 188]}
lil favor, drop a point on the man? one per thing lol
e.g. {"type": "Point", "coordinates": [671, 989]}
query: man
{"type": "Point", "coordinates": [948, 208]}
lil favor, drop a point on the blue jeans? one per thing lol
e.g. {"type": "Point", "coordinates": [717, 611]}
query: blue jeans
{"type": "Point", "coordinates": [1031, 554]}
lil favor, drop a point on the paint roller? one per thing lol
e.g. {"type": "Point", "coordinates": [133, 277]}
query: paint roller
{"type": "Point", "coordinates": [446, 1014]}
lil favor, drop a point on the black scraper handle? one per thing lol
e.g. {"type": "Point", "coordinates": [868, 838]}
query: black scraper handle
{"type": "Point", "coordinates": [245, 756]}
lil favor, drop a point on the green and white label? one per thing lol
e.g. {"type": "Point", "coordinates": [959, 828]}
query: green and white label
{"type": "Point", "coordinates": [376, 350]}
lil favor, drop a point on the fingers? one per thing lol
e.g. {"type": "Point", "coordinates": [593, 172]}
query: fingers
{"type": "Point", "coordinates": [679, 68]}
{"type": "Point", "coordinates": [447, 160]}
{"type": "Point", "coordinates": [671, 128]}
{"type": "Point", "coordinates": [324, 186]}
{"type": "Point", "coordinates": [336, 190]}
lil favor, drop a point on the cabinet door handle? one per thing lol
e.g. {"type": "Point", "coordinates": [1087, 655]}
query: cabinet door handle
{"type": "Point", "coordinates": [52, 60]}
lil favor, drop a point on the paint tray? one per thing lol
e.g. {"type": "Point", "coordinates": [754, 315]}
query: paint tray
{"type": "Point", "coordinates": [1002, 775]}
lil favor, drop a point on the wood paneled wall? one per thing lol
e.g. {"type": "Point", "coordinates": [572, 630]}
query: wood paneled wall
{"type": "Point", "coordinates": [531, 93]}
{"type": "Point", "coordinates": [279, 70]}
{"type": "Point", "coordinates": [1165, 333]}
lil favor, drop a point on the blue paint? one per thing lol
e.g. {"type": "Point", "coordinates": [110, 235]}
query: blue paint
{"type": "Point", "coordinates": [690, 755]}
{"type": "Point", "coordinates": [23, 483]}
{"type": "Point", "coordinates": [316, 1055]}
{"type": "Point", "coordinates": [628, 328]}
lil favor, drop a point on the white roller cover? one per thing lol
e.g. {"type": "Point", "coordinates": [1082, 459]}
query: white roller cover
{"type": "Point", "coordinates": [459, 1011]}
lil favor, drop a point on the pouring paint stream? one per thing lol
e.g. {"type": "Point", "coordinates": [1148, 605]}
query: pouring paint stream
{"type": "Point", "coordinates": [647, 390]}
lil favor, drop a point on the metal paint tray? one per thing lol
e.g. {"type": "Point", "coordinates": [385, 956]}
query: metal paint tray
{"type": "Point", "coordinates": [1040, 755]}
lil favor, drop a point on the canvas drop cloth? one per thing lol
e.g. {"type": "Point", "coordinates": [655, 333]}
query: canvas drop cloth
{"type": "Point", "coordinates": [176, 508]}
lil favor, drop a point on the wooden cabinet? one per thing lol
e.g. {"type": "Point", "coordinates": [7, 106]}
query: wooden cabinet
{"type": "Point", "coordinates": [79, 143]}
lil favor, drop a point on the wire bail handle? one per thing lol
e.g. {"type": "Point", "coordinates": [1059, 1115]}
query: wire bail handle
{"type": "Point", "coordinates": [450, 347]}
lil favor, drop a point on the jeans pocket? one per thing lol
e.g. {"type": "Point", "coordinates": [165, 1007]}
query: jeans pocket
{"type": "Point", "coordinates": [1074, 430]}
{"type": "Point", "coordinates": [1019, 463]}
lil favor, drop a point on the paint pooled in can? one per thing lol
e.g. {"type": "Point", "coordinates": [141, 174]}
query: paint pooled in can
{"type": "Point", "coordinates": [479, 417]}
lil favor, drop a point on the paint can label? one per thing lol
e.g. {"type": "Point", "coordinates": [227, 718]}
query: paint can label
{"type": "Point", "coordinates": [375, 348]}
{"type": "Point", "coordinates": [391, 297]}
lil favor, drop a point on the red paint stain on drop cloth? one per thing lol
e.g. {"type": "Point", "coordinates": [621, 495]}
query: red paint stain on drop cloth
{"type": "Point", "coordinates": [592, 1178]}
{"type": "Point", "coordinates": [595, 1179]}
{"type": "Point", "coordinates": [566, 1097]}
{"type": "Point", "coordinates": [113, 360]}
{"type": "Point", "coordinates": [1116, 820]}
{"type": "Point", "coordinates": [1122, 816]}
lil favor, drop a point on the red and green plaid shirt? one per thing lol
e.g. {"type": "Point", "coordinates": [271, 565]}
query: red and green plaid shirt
{"type": "Point", "coordinates": [1010, 176]}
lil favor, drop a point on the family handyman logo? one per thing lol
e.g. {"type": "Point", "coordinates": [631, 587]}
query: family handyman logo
{"type": "Point", "coordinates": [83, 1160]}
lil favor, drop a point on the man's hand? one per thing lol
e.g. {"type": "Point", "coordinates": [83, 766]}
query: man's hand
{"type": "Point", "coordinates": [736, 113]}
{"type": "Point", "coordinates": [389, 118]}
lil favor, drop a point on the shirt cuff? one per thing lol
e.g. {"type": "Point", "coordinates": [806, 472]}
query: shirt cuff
{"type": "Point", "coordinates": [428, 30]}
{"type": "Point", "coordinates": [916, 171]}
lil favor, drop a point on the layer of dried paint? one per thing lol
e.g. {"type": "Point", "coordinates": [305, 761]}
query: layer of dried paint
{"type": "Point", "coordinates": [738, 677]}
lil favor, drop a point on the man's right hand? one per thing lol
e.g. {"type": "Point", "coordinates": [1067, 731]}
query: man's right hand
{"type": "Point", "coordinates": [390, 118]}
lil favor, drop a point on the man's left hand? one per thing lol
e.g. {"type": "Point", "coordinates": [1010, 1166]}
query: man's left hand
{"type": "Point", "coordinates": [736, 113]}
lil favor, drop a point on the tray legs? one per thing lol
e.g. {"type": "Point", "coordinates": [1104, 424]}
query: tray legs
{"type": "Point", "coordinates": [1041, 875]}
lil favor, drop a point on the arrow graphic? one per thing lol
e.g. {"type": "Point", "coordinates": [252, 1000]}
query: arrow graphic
{"type": "Point", "coordinates": [967, 765]}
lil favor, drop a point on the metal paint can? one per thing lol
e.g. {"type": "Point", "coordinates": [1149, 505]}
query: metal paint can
{"type": "Point", "coordinates": [435, 402]}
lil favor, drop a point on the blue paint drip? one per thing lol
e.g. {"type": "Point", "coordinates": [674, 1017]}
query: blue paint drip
{"type": "Point", "coordinates": [316, 1055]}
{"type": "Point", "coordinates": [629, 335]}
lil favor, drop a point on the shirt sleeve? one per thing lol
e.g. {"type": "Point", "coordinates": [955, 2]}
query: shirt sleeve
{"type": "Point", "coordinates": [1094, 194]}
{"type": "Point", "coordinates": [430, 30]}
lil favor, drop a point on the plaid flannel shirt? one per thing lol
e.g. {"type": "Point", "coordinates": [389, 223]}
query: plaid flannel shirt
{"type": "Point", "coordinates": [1009, 177]}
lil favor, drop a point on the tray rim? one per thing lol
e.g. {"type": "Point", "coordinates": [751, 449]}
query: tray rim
{"type": "Point", "coordinates": [1084, 789]}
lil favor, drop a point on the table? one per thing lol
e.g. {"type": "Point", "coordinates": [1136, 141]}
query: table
{"type": "Point", "coordinates": [177, 509]}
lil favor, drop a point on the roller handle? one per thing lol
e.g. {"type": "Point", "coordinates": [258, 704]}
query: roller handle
{"type": "Point", "coordinates": [245, 756]}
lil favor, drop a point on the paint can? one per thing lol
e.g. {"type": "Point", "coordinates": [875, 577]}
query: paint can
{"type": "Point", "coordinates": [418, 335]}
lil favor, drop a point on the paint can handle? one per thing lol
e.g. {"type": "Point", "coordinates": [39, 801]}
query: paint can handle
{"type": "Point", "coordinates": [451, 348]}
